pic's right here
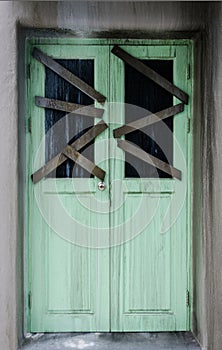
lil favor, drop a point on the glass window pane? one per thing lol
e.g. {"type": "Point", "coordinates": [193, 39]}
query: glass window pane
{"type": "Point", "coordinates": [75, 126]}
{"type": "Point", "coordinates": [142, 92]}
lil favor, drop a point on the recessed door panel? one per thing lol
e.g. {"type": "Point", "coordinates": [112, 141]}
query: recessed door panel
{"type": "Point", "coordinates": [144, 282]}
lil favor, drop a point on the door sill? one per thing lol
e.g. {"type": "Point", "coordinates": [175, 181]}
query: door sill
{"type": "Point", "coordinates": [108, 341]}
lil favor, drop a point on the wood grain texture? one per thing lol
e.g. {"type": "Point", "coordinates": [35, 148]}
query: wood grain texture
{"type": "Point", "coordinates": [63, 271]}
{"type": "Point", "coordinates": [67, 75]}
{"type": "Point", "coordinates": [151, 74]}
{"type": "Point", "coordinates": [148, 120]}
{"type": "Point", "coordinates": [78, 158]}
{"type": "Point", "coordinates": [149, 270]}
{"type": "Point", "coordinates": [73, 108]}
{"type": "Point", "coordinates": [138, 285]}
{"type": "Point", "coordinates": [60, 158]}
{"type": "Point", "coordinates": [148, 158]}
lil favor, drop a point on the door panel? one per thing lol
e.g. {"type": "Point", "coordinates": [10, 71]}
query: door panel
{"type": "Point", "coordinates": [140, 293]}
{"type": "Point", "coordinates": [112, 260]}
{"type": "Point", "coordinates": [149, 271]}
{"type": "Point", "coordinates": [61, 259]}
{"type": "Point", "coordinates": [65, 271]}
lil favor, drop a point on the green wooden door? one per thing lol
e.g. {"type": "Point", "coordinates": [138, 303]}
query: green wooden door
{"type": "Point", "coordinates": [117, 259]}
{"type": "Point", "coordinates": [65, 271]}
{"type": "Point", "coordinates": [149, 271]}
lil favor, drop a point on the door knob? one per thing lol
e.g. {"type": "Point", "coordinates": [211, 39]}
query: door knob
{"type": "Point", "coordinates": [101, 186]}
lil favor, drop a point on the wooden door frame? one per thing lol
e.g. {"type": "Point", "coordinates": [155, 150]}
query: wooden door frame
{"type": "Point", "coordinates": [101, 41]}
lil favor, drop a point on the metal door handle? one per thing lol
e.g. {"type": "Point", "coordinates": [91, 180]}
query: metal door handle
{"type": "Point", "coordinates": [101, 186]}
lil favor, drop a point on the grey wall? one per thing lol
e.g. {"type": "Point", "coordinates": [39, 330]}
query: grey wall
{"type": "Point", "coordinates": [212, 204]}
{"type": "Point", "coordinates": [106, 16]}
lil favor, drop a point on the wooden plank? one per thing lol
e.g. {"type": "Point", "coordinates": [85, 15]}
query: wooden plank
{"type": "Point", "coordinates": [148, 158]}
{"type": "Point", "coordinates": [148, 120]}
{"type": "Point", "coordinates": [69, 107]}
{"type": "Point", "coordinates": [85, 163]}
{"type": "Point", "coordinates": [67, 75]}
{"type": "Point", "coordinates": [60, 158]}
{"type": "Point", "coordinates": [150, 73]}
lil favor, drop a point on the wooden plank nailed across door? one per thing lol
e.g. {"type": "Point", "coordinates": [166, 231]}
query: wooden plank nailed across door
{"type": "Point", "coordinates": [148, 158]}
{"type": "Point", "coordinates": [74, 108]}
{"type": "Point", "coordinates": [85, 163]}
{"type": "Point", "coordinates": [148, 120]}
{"type": "Point", "coordinates": [68, 76]}
{"type": "Point", "coordinates": [150, 73]}
{"type": "Point", "coordinates": [60, 158]}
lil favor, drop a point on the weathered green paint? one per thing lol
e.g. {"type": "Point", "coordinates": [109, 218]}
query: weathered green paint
{"type": "Point", "coordinates": [149, 273]}
{"type": "Point", "coordinates": [136, 286]}
{"type": "Point", "coordinates": [64, 278]}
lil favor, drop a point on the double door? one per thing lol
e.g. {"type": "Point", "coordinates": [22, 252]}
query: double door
{"type": "Point", "coordinates": [108, 215]}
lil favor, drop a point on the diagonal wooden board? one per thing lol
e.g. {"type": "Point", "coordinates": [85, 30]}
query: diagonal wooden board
{"type": "Point", "coordinates": [85, 163]}
{"type": "Point", "coordinates": [148, 120]}
{"type": "Point", "coordinates": [67, 75]}
{"type": "Point", "coordinates": [148, 158]}
{"type": "Point", "coordinates": [69, 107]}
{"type": "Point", "coordinates": [60, 158]}
{"type": "Point", "coordinates": [150, 73]}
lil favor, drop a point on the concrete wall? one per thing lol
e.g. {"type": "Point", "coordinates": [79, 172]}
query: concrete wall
{"type": "Point", "coordinates": [212, 204]}
{"type": "Point", "coordinates": [156, 17]}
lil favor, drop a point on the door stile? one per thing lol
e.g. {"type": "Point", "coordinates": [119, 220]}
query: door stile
{"type": "Point", "coordinates": [179, 228]}
{"type": "Point", "coordinates": [117, 107]}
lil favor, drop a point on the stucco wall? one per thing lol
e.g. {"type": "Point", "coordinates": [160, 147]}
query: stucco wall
{"type": "Point", "coordinates": [106, 16]}
{"type": "Point", "coordinates": [212, 204]}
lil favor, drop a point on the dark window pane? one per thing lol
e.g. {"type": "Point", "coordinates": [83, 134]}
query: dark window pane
{"type": "Point", "coordinates": [73, 126]}
{"type": "Point", "coordinates": [142, 92]}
